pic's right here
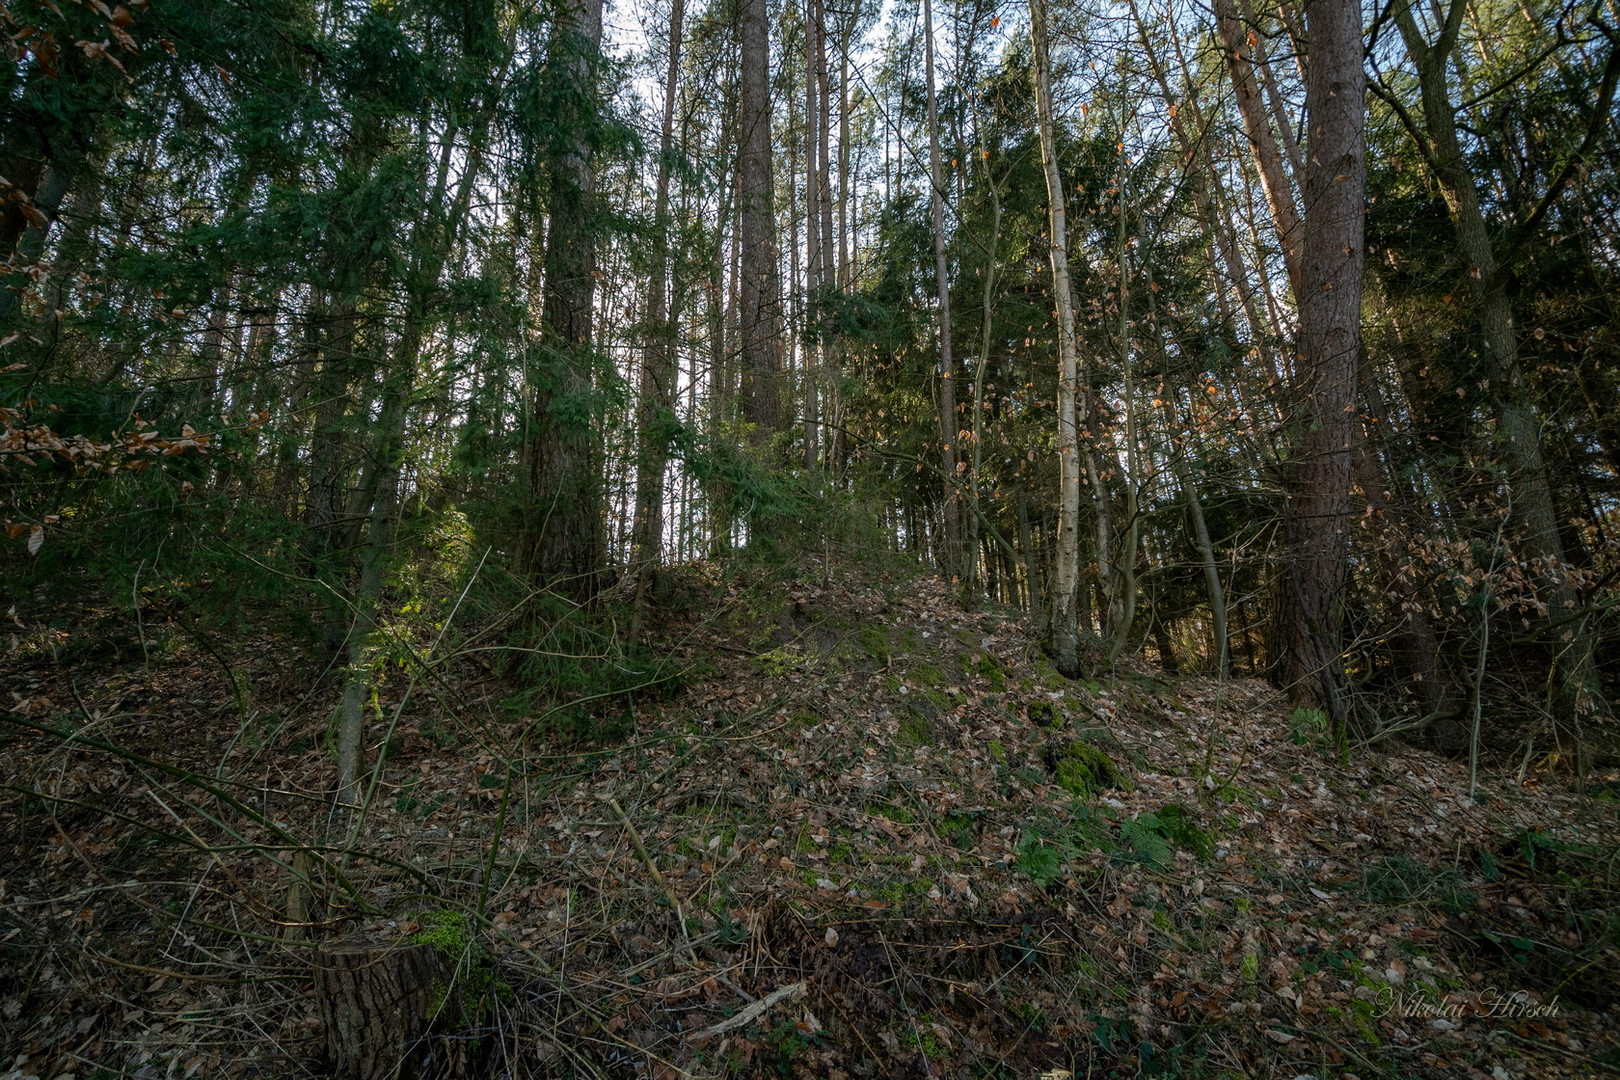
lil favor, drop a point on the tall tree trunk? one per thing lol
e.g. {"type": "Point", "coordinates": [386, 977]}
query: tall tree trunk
{"type": "Point", "coordinates": [1318, 471]}
{"type": "Point", "coordinates": [1274, 98]}
{"type": "Point", "coordinates": [1063, 628]}
{"type": "Point", "coordinates": [1125, 562]}
{"type": "Point", "coordinates": [374, 564]}
{"type": "Point", "coordinates": [1032, 564]}
{"type": "Point", "coordinates": [656, 414]}
{"type": "Point", "coordinates": [951, 560]}
{"type": "Point", "coordinates": [815, 60]}
{"type": "Point", "coordinates": [431, 245]}
{"type": "Point", "coordinates": [831, 263]}
{"type": "Point", "coordinates": [1181, 468]}
{"type": "Point", "coordinates": [721, 286]}
{"type": "Point", "coordinates": [1209, 195]}
{"type": "Point", "coordinates": [981, 366]}
{"type": "Point", "coordinates": [759, 315]}
{"type": "Point", "coordinates": [563, 546]}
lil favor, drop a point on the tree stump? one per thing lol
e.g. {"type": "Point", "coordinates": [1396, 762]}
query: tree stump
{"type": "Point", "coordinates": [377, 1002]}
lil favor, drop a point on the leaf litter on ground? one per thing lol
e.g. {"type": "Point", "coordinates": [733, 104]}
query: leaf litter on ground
{"type": "Point", "coordinates": [871, 838]}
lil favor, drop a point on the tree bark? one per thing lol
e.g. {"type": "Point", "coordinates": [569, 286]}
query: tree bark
{"type": "Point", "coordinates": [431, 243]}
{"type": "Point", "coordinates": [1124, 570]}
{"type": "Point", "coordinates": [1063, 628]}
{"type": "Point", "coordinates": [656, 419]}
{"type": "Point", "coordinates": [375, 1004]}
{"type": "Point", "coordinates": [814, 79]}
{"type": "Point", "coordinates": [46, 204]}
{"type": "Point", "coordinates": [759, 301]}
{"type": "Point", "coordinates": [952, 561]}
{"type": "Point", "coordinates": [1318, 471]}
{"type": "Point", "coordinates": [563, 547]}
{"type": "Point", "coordinates": [981, 368]}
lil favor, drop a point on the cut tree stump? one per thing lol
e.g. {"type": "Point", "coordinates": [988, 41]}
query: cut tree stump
{"type": "Point", "coordinates": [376, 1003]}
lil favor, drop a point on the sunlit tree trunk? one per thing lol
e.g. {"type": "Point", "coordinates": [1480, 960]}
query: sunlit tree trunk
{"type": "Point", "coordinates": [1063, 627]}
{"type": "Point", "coordinates": [1324, 427]}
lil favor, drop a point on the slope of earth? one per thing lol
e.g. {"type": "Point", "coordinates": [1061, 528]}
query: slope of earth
{"type": "Point", "coordinates": [870, 835]}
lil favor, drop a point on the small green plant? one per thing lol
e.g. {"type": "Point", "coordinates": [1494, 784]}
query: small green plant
{"type": "Point", "coordinates": [1307, 726]}
{"type": "Point", "coordinates": [778, 662]}
{"type": "Point", "coordinates": [1039, 859]}
{"type": "Point", "coordinates": [985, 667]}
{"type": "Point", "coordinates": [1401, 880]}
{"type": "Point", "coordinates": [1144, 835]}
{"type": "Point", "coordinates": [439, 734]}
{"type": "Point", "coordinates": [1110, 1034]}
{"type": "Point", "coordinates": [1030, 1014]}
{"type": "Point", "coordinates": [783, 1044]}
{"type": "Point", "coordinates": [1177, 826]}
{"type": "Point", "coordinates": [1044, 714]}
{"type": "Point", "coordinates": [1154, 836]}
{"type": "Point", "coordinates": [731, 932]}
{"type": "Point", "coordinates": [921, 1036]}
{"type": "Point", "coordinates": [894, 813]}
{"type": "Point", "coordinates": [899, 890]}
{"type": "Point", "coordinates": [959, 829]}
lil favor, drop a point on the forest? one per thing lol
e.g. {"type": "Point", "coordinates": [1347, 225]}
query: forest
{"type": "Point", "coordinates": [810, 539]}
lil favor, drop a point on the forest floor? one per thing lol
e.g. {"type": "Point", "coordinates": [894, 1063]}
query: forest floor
{"type": "Point", "coordinates": [869, 835]}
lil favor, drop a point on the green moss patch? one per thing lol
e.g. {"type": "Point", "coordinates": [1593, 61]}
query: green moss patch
{"type": "Point", "coordinates": [476, 986]}
{"type": "Point", "coordinates": [1179, 827]}
{"type": "Point", "coordinates": [914, 730]}
{"type": "Point", "coordinates": [1083, 771]}
{"type": "Point", "coordinates": [984, 666]}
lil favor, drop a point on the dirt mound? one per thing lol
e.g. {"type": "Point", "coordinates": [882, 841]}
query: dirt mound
{"type": "Point", "coordinates": [874, 835]}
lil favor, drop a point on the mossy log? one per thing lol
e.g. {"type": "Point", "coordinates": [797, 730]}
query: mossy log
{"type": "Point", "coordinates": [375, 1004]}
